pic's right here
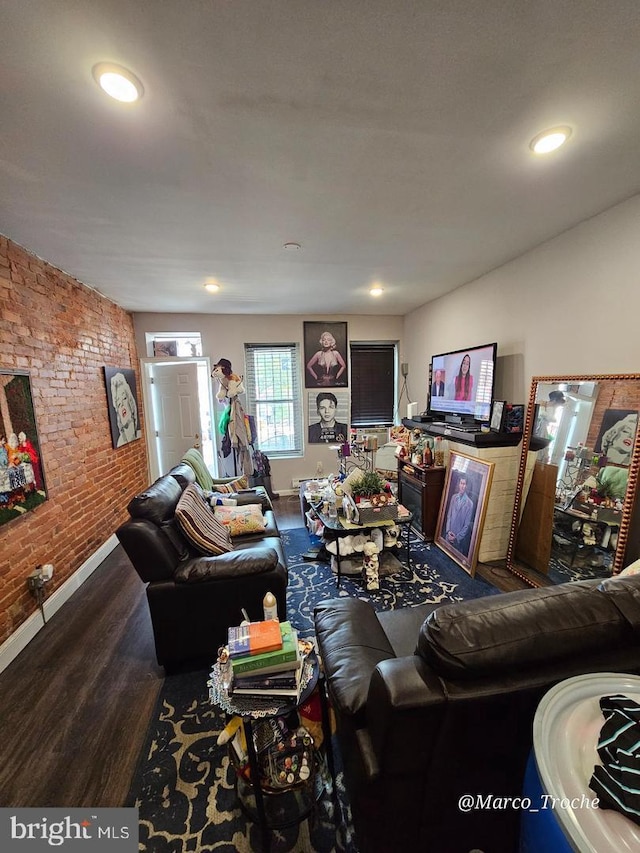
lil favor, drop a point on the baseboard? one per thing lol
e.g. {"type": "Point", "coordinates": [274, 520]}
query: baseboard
{"type": "Point", "coordinates": [20, 638]}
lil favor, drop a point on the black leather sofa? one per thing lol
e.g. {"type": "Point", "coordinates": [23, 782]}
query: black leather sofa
{"type": "Point", "coordinates": [193, 599]}
{"type": "Point", "coordinates": [432, 704]}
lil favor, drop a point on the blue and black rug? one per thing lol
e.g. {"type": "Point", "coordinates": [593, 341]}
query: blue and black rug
{"type": "Point", "coordinates": [432, 579]}
{"type": "Point", "coordinates": [184, 785]}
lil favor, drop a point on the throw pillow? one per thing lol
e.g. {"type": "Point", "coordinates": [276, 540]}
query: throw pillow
{"type": "Point", "coordinates": [199, 524]}
{"type": "Point", "coordinates": [241, 520]}
{"type": "Point", "coordinates": [233, 486]}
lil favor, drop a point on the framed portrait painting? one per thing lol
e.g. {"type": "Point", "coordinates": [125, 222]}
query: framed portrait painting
{"type": "Point", "coordinates": [22, 485]}
{"type": "Point", "coordinates": [463, 509]}
{"type": "Point", "coordinates": [122, 401]}
{"type": "Point", "coordinates": [325, 355]}
{"type": "Point", "coordinates": [328, 419]}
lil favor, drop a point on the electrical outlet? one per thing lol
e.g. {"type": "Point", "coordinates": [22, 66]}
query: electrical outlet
{"type": "Point", "coordinates": [35, 581]}
{"type": "Point", "coordinates": [318, 467]}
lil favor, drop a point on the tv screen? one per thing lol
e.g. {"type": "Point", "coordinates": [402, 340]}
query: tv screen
{"type": "Point", "coordinates": [461, 384]}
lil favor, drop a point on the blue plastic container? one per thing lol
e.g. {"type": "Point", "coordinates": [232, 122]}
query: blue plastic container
{"type": "Point", "coordinates": [564, 815]}
{"type": "Point", "coordinates": [539, 830]}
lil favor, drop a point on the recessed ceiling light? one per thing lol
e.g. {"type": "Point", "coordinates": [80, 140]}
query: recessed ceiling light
{"type": "Point", "coordinates": [118, 82]}
{"type": "Point", "coordinates": [549, 140]}
{"type": "Point", "coordinates": [292, 247]}
{"type": "Point", "coordinates": [212, 286]}
{"type": "Point", "coordinates": [376, 290]}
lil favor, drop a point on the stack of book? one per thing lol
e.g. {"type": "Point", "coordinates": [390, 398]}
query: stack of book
{"type": "Point", "coordinates": [265, 660]}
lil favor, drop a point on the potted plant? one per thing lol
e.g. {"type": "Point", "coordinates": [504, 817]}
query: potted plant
{"type": "Point", "coordinates": [371, 483]}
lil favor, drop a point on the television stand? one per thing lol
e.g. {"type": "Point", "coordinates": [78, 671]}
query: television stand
{"type": "Point", "coordinates": [475, 437]}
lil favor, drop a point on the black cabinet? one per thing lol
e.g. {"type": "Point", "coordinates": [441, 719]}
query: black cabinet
{"type": "Point", "coordinates": [420, 490]}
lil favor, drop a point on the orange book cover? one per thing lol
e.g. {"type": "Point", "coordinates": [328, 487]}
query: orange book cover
{"type": "Point", "coordinates": [255, 638]}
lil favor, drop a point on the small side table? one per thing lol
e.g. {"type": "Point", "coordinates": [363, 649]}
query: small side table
{"type": "Point", "coordinates": [339, 526]}
{"type": "Point", "coordinates": [301, 797]}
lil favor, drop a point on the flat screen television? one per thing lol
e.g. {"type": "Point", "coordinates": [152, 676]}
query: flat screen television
{"type": "Point", "coordinates": [458, 395]}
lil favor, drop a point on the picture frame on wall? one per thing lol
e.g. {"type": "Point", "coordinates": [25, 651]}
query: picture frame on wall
{"type": "Point", "coordinates": [325, 355]}
{"type": "Point", "coordinates": [22, 482]}
{"type": "Point", "coordinates": [617, 435]}
{"type": "Point", "coordinates": [496, 422]}
{"type": "Point", "coordinates": [122, 402]}
{"type": "Point", "coordinates": [463, 509]}
{"type": "Point", "coordinates": [328, 416]}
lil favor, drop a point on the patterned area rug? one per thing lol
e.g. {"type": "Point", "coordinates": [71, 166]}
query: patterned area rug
{"type": "Point", "coordinates": [571, 563]}
{"type": "Point", "coordinates": [562, 572]}
{"type": "Point", "coordinates": [433, 578]}
{"type": "Point", "coordinates": [184, 785]}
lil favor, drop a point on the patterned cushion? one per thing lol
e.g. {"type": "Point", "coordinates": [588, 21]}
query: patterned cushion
{"type": "Point", "coordinates": [233, 486]}
{"type": "Point", "coordinates": [240, 520]}
{"type": "Point", "coordinates": [199, 524]}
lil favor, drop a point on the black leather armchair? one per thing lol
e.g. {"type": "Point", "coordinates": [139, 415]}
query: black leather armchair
{"type": "Point", "coordinates": [432, 704]}
{"type": "Point", "coordinates": [193, 599]}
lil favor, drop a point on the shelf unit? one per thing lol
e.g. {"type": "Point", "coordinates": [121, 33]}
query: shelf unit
{"type": "Point", "coordinates": [420, 490]}
{"type": "Point", "coordinates": [475, 439]}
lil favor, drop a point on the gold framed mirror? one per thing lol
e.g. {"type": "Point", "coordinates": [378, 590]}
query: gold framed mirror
{"type": "Point", "coordinates": [574, 514]}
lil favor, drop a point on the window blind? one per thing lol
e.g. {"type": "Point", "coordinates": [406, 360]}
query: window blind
{"type": "Point", "coordinates": [373, 376]}
{"type": "Point", "coordinates": [272, 382]}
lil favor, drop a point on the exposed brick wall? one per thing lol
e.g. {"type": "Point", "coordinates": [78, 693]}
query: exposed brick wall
{"type": "Point", "coordinates": [612, 395]}
{"type": "Point", "coordinates": [64, 333]}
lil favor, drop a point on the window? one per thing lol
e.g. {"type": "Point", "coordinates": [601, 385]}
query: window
{"type": "Point", "coordinates": [272, 382]}
{"type": "Point", "coordinates": [183, 344]}
{"type": "Point", "coordinates": [373, 381]}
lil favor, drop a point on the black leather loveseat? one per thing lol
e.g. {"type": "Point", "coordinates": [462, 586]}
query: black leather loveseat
{"type": "Point", "coordinates": [428, 711]}
{"type": "Point", "coordinates": [193, 599]}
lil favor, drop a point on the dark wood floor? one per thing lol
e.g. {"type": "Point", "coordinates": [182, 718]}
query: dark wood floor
{"type": "Point", "coordinates": [75, 704]}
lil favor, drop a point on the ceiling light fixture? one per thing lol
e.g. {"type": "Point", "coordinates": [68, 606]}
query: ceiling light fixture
{"type": "Point", "coordinates": [376, 290]}
{"type": "Point", "coordinates": [292, 247]}
{"type": "Point", "coordinates": [212, 286]}
{"type": "Point", "coordinates": [118, 82]}
{"type": "Point", "coordinates": [549, 140]}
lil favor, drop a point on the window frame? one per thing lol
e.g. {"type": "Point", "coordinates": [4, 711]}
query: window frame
{"type": "Point", "coordinates": [386, 350]}
{"type": "Point", "coordinates": [294, 397]}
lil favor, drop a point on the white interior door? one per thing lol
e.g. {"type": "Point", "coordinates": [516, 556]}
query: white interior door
{"type": "Point", "coordinates": [173, 413]}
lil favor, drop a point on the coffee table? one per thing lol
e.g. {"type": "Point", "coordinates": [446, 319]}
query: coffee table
{"type": "Point", "coordinates": [338, 527]}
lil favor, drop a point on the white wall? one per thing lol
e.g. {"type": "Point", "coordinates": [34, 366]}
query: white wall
{"type": "Point", "coordinates": [224, 336]}
{"type": "Point", "coordinates": [572, 305]}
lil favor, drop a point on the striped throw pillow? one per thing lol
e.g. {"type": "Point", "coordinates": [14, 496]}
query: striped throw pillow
{"type": "Point", "coordinates": [198, 523]}
{"type": "Point", "coordinates": [233, 486]}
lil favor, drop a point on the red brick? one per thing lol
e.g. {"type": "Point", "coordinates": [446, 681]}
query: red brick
{"type": "Point", "coordinates": [63, 333]}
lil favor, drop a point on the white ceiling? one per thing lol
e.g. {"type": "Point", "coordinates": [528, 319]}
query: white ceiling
{"type": "Point", "coordinates": [389, 138]}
